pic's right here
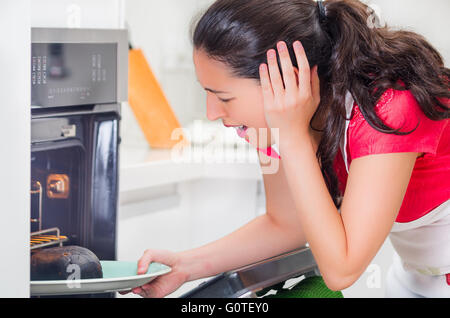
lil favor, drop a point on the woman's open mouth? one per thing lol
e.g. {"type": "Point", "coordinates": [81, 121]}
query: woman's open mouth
{"type": "Point", "coordinates": [241, 131]}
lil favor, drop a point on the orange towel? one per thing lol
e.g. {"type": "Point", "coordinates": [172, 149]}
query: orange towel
{"type": "Point", "coordinates": [150, 106]}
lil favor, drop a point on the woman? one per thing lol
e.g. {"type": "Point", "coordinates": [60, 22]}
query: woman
{"type": "Point", "coordinates": [363, 133]}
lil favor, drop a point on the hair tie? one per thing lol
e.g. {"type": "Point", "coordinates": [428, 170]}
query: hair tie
{"type": "Point", "coordinates": [322, 12]}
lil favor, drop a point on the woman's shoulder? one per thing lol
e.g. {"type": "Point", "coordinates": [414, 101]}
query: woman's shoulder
{"type": "Point", "coordinates": [396, 108]}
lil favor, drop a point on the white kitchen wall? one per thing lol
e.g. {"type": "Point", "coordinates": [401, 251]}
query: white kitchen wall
{"type": "Point", "coordinates": [101, 14]}
{"type": "Point", "coordinates": [428, 18]}
{"type": "Point", "coordinates": [161, 30]}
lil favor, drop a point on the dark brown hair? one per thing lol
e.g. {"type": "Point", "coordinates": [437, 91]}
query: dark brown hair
{"type": "Point", "coordinates": [351, 55]}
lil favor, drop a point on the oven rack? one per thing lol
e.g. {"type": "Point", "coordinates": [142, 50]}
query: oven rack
{"type": "Point", "coordinates": [43, 238]}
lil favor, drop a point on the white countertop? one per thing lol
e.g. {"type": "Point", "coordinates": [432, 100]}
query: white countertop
{"type": "Point", "coordinates": [143, 167]}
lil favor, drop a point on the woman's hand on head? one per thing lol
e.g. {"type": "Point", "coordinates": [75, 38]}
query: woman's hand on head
{"type": "Point", "coordinates": [289, 101]}
{"type": "Point", "coordinates": [162, 285]}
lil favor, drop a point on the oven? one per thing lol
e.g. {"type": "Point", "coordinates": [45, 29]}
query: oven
{"type": "Point", "coordinates": [79, 77]}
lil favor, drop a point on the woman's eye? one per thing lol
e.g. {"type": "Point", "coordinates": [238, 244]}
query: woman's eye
{"type": "Point", "coordinates": [225, 100]}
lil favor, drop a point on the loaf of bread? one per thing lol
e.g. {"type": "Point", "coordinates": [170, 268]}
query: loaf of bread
{"type": "Point", "coordinates": [67, 262]}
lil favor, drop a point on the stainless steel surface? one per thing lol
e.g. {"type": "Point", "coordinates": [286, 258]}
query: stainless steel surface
{"type": "Point", "coordinates": [248, 280]}
{"type": "Point", "coordinates": [96, 109]}
{"type": "Point", "coordinates": [66, 35]}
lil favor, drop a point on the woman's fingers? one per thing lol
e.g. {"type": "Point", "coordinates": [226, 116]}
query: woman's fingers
{"type": "Point", "coordinates": [266, 87]}
{"type": "Point", "coordinates": [275, 76]}
{"type": "Point", "coordinates": [161, 286]}
{"type": "Point", "coordinates": [304, 73]}
{"type": "Point", "coordinates": [287, 68]}
{"type": "Point", "coordinates": [137, 290]}
{"type": "Point", "coordinates": [295, 84]}
{"type": "Point", "coordinates": [144, 262]}
{"type": "Point", "coordinates": [148, 290]}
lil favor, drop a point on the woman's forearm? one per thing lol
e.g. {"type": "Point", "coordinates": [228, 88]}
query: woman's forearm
{"type": "Point", "coordinates": [315, 205]}
{"type": "Point", "coordinates": [260, 239]}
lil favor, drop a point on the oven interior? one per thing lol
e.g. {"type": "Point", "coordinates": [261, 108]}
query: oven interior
{"type": "Point", "coordinates": [74, 180]}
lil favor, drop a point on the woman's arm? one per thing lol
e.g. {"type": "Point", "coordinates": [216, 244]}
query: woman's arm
{"type": "Point", "coordinates": [344, 244]}
{"type": "Point", "coordinates": [271, 234]}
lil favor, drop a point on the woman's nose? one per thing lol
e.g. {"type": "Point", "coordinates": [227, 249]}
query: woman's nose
{"type": "Point", "coordinates": [214, 110]}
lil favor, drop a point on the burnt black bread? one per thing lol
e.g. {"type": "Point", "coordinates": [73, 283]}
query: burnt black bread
{"type": "Point", "coordinates": [67, 262]}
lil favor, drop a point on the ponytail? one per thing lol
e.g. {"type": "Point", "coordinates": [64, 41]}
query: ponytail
{"type": "Point", "coordinates": [366, 61]}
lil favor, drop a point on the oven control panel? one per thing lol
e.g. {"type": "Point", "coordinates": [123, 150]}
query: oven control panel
{"type": "Point", "coordinates": [66, 74]}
